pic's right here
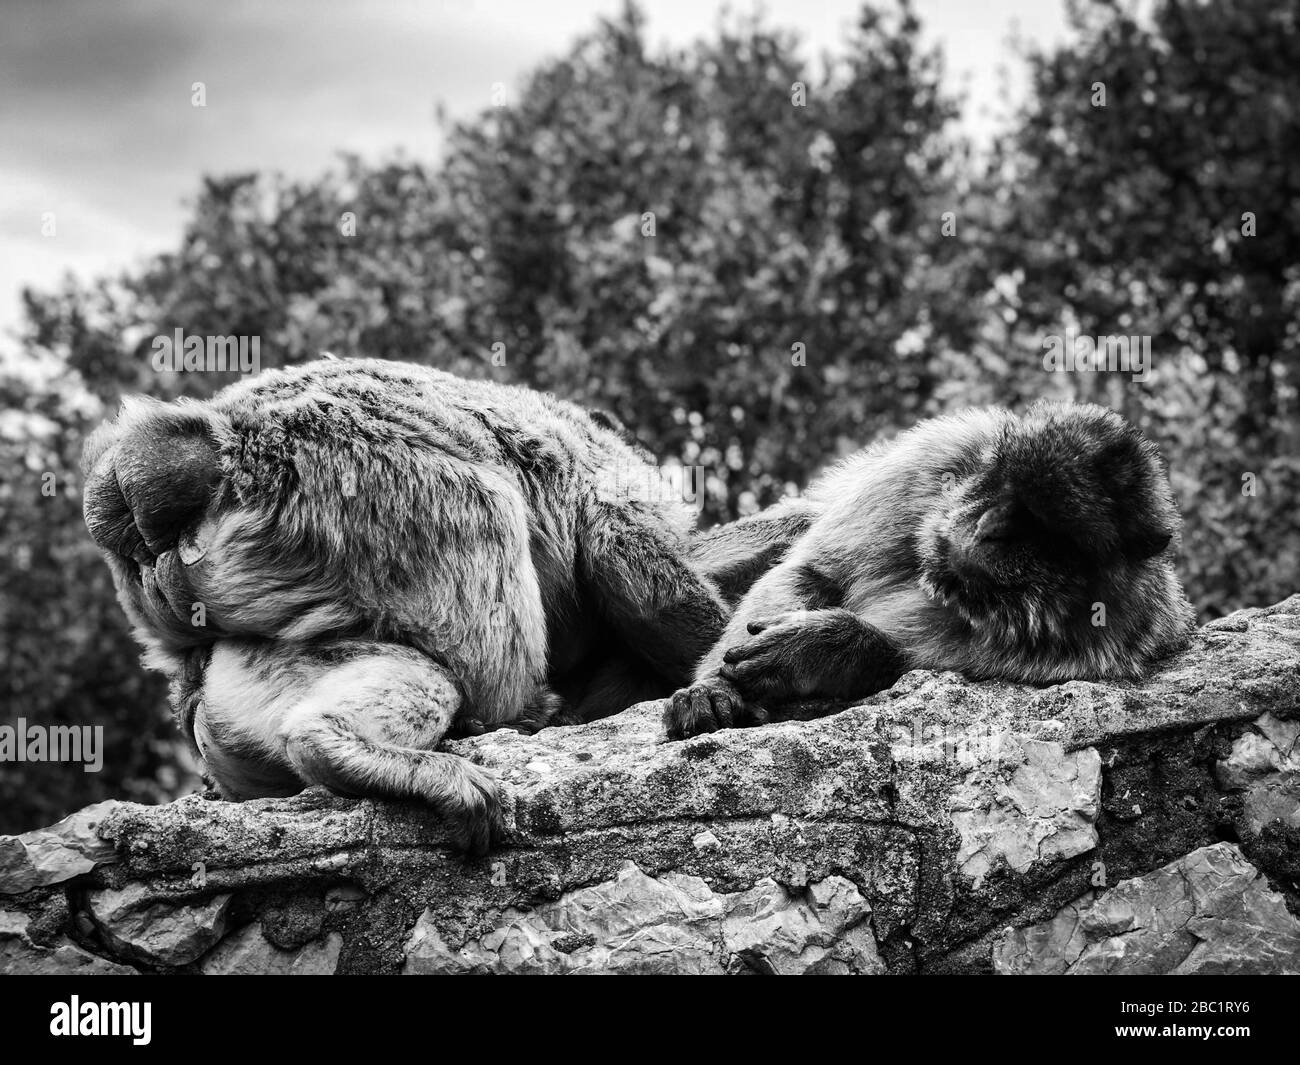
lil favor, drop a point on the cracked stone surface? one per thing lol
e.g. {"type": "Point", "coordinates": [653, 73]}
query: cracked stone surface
{"type": "Point", "coordinates": [1034, 803]}
{"type": "Point", "coordinates": [1265, 764]}
{"type": "Point", "coordinates": [150, 930]}
{"type": "Point", "coordinates": [903, 834]}
{"type": "Point", "coordinates": [673, 924]}
{"type": "Point", "coordinates": [20, 955]}
{"type": "Point", "coordinates": [1209, 912]}
{"type": "Point", "coordinates": [249, 952]}
{"type": "Point", "coordinates": [52, 855]}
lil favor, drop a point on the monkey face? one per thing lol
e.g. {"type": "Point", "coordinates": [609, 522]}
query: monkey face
{"type": "Point", "coordinates": [1054, 510]}
{"type": "Point", "coordinates": [150, 479]}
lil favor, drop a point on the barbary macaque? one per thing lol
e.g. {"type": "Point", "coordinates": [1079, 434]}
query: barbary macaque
{"type": "Point", "coordinates": [340, 563]}
{"type": "Point", "coordinates": [1034, 548]}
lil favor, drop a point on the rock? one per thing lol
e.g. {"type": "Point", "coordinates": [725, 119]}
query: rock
{"type": "Point", "coordinates": [1265, 764]}
{"type": "Point", "coordinates": [64, 959]}
{"type": "Point", "coordinates": [673, 924]}
{"type": "Point", "coordinates": [632, 923]}
{"type": "Point", "coordinates": [55, 854]}
{"type": "Point", "coordinates": [1034, 803]}
{"type": "Point", "coordinates": [706, 841]}
{"type": "Point", "coordinates": [903, 835]}
{"type": "Point", "coordinates": [1209, 912]}
{"type": "Point", "coordinates": [343, 897]}
{"type": "Point", "coordinates": [825, 931]}
{"type": "Point", "coordinates": [19, 956]}
{"type": "Point", "coordinates": [149, 930]}
{"type": "Point", "coordinates": [247, 952]}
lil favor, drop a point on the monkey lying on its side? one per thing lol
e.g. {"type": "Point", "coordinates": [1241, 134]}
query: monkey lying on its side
{"type": "Point", "coordinates": [1034, 548]}
{"type": "Point", "coordinates": [338, 563]}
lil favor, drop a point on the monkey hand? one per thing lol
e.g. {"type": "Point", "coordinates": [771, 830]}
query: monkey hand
{"type": "Point", "coordinates": [707, 706]}
{"type": "Point", "coordinates": [829, 653]}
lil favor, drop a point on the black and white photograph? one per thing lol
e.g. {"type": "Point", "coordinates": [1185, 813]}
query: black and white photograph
{"type": "Point", "coordinates": [648, 487]}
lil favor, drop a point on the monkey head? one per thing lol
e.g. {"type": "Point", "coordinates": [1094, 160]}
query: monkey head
{"type": "Point", "coordinates": [1043, 516]}
{"type": "Point", "coordinates": [242, 515]}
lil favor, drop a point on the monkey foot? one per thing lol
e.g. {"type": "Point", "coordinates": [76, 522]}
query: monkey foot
{"type": "Point", "coordinates": [706, 707]}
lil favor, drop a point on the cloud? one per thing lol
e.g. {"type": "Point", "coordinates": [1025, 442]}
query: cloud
{"type": "Point", "coordinates": [100, 127]}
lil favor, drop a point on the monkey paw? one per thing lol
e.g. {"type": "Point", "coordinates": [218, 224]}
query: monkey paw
{"type": "Point", "coordinates": [474, 819]}
{"type": "Point", "coordinates": [771, 663]}
{"type": "Point", "coordinates": [706, 707]}
{"type": "Point", "coordinates": [831, 654]}
{"type": "Point", "coordinates": [546, 708]}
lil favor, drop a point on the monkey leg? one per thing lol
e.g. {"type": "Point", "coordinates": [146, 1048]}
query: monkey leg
{"type": "Point", "coordinates": [369, 729]}
{"type": "Point", "coordinates": [656, 605]}
{"type": "Point", "coordinates": [359, 718]}
{"type": "Point", "coordinates": [830, 653]}
{"type": "Point", "coordinates": [613, 685]}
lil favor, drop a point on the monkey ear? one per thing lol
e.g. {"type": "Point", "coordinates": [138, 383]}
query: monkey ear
{"type": "Point", "coordinates": [1147, 519]}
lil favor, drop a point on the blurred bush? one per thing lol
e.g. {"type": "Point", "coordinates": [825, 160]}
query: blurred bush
{"type": "Point", "coordinates": [757, 262]}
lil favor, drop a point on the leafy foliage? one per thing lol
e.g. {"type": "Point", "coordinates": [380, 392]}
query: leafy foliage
{"type": "Point", "coordinates": [1172, 212]}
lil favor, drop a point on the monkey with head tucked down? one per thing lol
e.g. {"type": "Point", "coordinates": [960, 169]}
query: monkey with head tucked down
{"type": "Point", "coordinates": [1034, 548]}
{"type": "Point", "coordinates": [339, 563]}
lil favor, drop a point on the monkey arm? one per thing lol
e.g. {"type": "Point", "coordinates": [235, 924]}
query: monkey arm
{"type": "Point", "coordinates": [793, 638]}
{"type": "Point", "coordinates": [789, 638]}
{"type": "Point", "coordinates": [713, 702]}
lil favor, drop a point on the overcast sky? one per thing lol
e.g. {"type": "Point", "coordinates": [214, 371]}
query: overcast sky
{"type": "Point", "coordinates": [96, 123]}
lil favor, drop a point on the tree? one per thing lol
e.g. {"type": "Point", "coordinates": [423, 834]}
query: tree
{"type": "Point", "coordinates": [1150, 189]}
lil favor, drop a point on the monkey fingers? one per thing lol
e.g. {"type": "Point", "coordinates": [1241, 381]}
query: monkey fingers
{"type": "Point", "coordinates": [760, 625]}
{"type": "Point", "coordinates": [828, 653]}
{"type": "Point", "coordinates": [767, 667]}
{"type": "Point", "coordinates": [464, 727]}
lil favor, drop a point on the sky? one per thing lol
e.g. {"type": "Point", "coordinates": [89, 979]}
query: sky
{"type": "Point", "coordinates": [97, 124]}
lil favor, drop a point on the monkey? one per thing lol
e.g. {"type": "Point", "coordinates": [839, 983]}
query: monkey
{"type": "Point", "coordinates": [1035, 548]}
{"type": "Point", "coordinates": [735, 554]}
{"type": "Point", "coordinates": [340, 564]}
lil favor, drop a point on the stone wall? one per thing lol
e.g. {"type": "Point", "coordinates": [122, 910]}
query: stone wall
{"type": "Point", "coordinates": [942, 826]}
